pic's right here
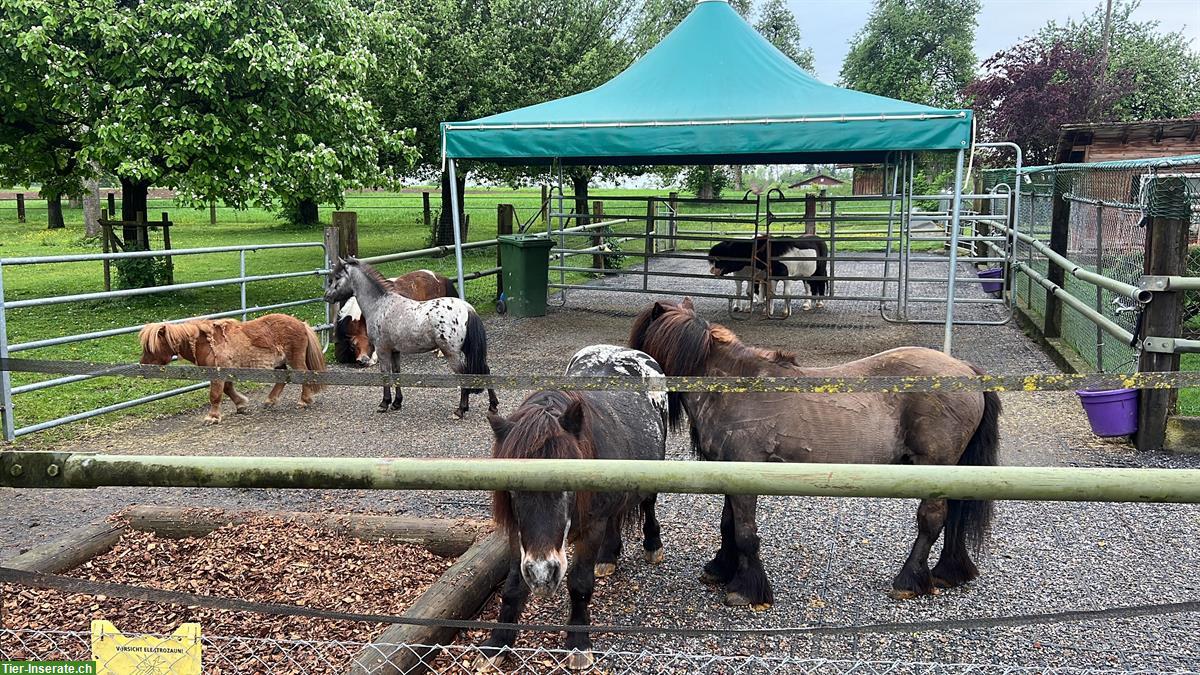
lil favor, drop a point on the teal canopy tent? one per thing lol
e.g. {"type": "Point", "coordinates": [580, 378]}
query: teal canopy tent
{"type": "Point", "coordinates": [713, 91]}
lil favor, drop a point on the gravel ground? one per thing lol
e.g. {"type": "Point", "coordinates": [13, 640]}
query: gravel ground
{"type": "Point", "coordinates": [831, 560]}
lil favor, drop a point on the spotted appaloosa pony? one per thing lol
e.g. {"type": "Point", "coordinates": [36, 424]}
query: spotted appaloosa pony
{"type": "Point", "coordinates": [398, 325]}
{"type": "Point", "coordinates": [576, 425]}
{"type": "Point", "coordinates": [272, 341]}
{"type": "Point", "coordinates": [918, 428]}
{"type": "Point", "coordinates": [791, 259]}
{"type": "Point", "coordinates": [351, 342]}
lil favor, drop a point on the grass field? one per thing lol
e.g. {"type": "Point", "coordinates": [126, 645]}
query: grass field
{"type": "Point", "coordinates": [388, 223]}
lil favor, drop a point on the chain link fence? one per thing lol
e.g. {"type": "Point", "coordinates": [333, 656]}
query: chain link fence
{"type": "Point", "coordinates": [297, 656]}
{"type": "Point", "coordinates": [1109, 206]}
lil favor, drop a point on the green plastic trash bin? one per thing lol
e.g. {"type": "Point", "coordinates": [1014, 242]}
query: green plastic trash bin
{"type": "Point", "coordinates": [524, 262]}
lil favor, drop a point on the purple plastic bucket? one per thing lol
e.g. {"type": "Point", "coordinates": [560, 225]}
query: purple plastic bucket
{"type": "Point", "coordinates": [1111, 413]}
{"type": "Point", "coordinates": [992, 273]}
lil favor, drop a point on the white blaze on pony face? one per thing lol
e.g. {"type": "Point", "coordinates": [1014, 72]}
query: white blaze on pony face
{"type": "Point", "coordinates": [625, 361]}
{"type": "Point", "coordinates": [543, 525]}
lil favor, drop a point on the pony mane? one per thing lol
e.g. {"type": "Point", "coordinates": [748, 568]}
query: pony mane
{"type": "Point", "coordinates": [155, 336]}
{"type": "Point", "coordinates": [682, 342]}
{"type": "Point", "coordinates": [381, 282]}
{"type": "Point", "coordinates": [537, 434]}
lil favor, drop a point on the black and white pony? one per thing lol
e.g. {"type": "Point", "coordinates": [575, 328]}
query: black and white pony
{"type": "Point", "coordinates": [792, 259]}
{"type": "Point", "coordinates": [399, 325]}
{"type": "Point", "coordinates": [576, 425]}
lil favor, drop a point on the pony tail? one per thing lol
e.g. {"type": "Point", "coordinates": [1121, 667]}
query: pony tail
{"type": "Point", "coordinates": [819, 287]}
{"type": "Point", "coordinates": [474, 348]}
{"type": "Point", "coordinates": [450, 290]}
{"type": "Point", "coordinates": [314, 356]}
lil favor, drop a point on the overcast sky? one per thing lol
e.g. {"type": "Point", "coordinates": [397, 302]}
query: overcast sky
{"type": "Point", "coordinates": [828, 25]}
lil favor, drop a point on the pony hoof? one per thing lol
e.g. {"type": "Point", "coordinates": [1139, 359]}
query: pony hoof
{"type": "Point", "coordinates": [710, 579]}
{"type": "Point", "coordinates": [897, 594]}
{"type": "Point", "coordinates": [301, 405]}
{"type": "Point", "coordinates": [605, 570]}
{"type": "Point", "coordinates": [243, 410]}
{"type": "Point", "coordinates": [210, 420]}
{"type": "Point", "coordinates": [761, 607]}
{"type": "Point", "coordinates": [397, 405]}
{"type": "Point", "coordinates": [806, 307]}
{"type": "Point", "coordinates": [458, 414]}
{"type": "Point", "coordinates": [735, 599]}
{"type": "Point", "coordinates": [268, 403]}
{"type": "Point", "coordinates": [653, 557]}
{"type": "Point", "coordinates": [580, 660]}
{"type": "Point", "coordinates": [489, 664]}
{"type": "Point", "coordinates": [383, 407]}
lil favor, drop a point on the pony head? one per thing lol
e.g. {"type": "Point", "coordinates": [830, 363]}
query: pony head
{"type": "Point", "coordinates": [548, 425]}
{"type": "Point", "coordinates": [678, 339]}
{"type": "Point", "coordinates": [728, 257]}
{"type": "Point", "coordinates": [162, 341]}
{"type": "Point", "coordinates": [340, 288]}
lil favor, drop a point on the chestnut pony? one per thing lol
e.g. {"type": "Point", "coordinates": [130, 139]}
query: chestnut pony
{"type": "Point", "coordinates": [918, 428]}
{"type": "Point", "coordinates": [351, 342]}
{"type": "Point", "coordinates": [272, 341]}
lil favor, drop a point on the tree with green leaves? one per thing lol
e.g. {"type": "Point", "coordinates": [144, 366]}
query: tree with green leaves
{"type": "Point", "coordinates": [248, 102]}
{"type": "Point", "coordinates": [44, 106]}
{"type": "Point", "coordinates": [1163, 65]}
{"type": "Point", "coordinates": [778, 25]}
{"type": "Point", "coordinates": [915, 50]}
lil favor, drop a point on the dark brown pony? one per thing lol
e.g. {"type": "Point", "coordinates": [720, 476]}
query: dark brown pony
{"type": "Point", "coordinates": [567, 425]}
{"type": "Point", "coordinates": [352, 344]}
{"type": "Point", "coordinates": [917, 428]}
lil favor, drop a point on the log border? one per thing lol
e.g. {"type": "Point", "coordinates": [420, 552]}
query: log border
{"type": "Point", "coordinates": [459, 593]}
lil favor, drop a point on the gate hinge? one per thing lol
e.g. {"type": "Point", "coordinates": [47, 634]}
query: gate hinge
{"type": "Point", "coordinates": [1159, 345]}
{"type": "Point", "coordinates": [1154, 282]}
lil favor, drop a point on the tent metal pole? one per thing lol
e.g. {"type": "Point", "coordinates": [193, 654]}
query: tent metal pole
{"type": "Point", "coordinates": [955, 207]}
{"type": "Point", "coordinates": [455, 218]}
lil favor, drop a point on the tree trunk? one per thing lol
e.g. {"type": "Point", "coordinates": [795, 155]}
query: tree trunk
{"type": "Point", "coordinates": [706, 188]}
{"type": "Point", "coordinates": [91, 209]}
{"type": "Point", "coordinates": [134, 194]}
{"type": "Point", "coordinates": [443, 232]}
{"type": "Point", "coordinates": [306, 212]}
{"type": "Point", "coordinates": [737, 177]}
{"type": "Point", "coordinates": [579, 185]}
{"type": "Point", "coordinates": [54, 212]}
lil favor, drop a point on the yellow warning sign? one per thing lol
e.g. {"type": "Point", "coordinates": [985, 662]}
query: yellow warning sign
{"type": "Point", "coordinates": [115, 654]}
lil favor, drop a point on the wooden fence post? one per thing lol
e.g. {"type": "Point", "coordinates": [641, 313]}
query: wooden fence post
{"type": "Point", "coordinates": [332, 253]}
{"type": "Point", "coordinates": [673, 225]}
{"type": "Point", "coordinates": [106, 242]}
{"type": "Point", "coordinates": [166, 228]}
{"type": "Point", "coordinates": [810, 215]}
{"type": "Point", "coordinates": [545, 209]}
{"type": "Point", "coordinates": [20, 207]}
{"type": "Point", "coordinates": [1166, 254]}
{"type": "Point", "coordinates": [599, 260]}
{"type": "Point", "coordinates": [426, 212]}
{"type": "Point", "coordinates": [1060, 228]}
{"type": "Point", "coordinates": [505, 216]}
{"type": "Point", "coordinates": [112, 206]}
{"type": "Point", "coordinates": [347, 224]}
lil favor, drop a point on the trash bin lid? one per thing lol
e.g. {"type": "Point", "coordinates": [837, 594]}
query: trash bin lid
{"type": "Point", "coordinates": [526, 240]}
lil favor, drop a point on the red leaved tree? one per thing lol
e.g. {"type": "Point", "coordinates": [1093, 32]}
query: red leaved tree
{"type": "Point", "coordinates": [1029, 90]}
